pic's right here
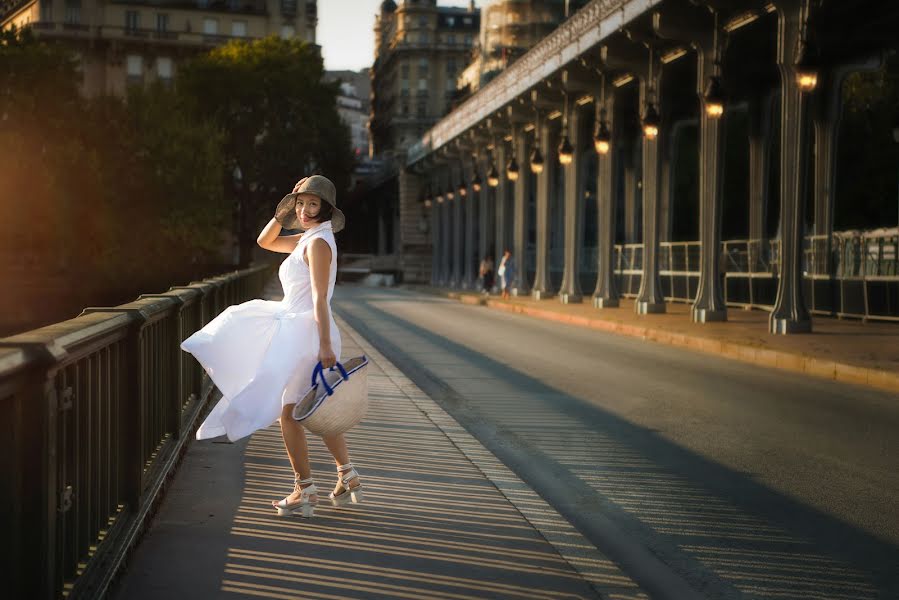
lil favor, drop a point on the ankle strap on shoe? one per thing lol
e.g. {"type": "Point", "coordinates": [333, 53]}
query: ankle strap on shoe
{"type": "Point", "coordinates": [298, 481]}
{"type": "Point", "coordinates": [346, 467]}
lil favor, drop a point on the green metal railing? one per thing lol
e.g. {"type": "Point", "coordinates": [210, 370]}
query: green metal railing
{"type": "Point", "coordinates": [96, 413]}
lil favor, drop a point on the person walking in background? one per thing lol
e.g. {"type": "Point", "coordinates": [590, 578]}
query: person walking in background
{"type": "Point", "coordinates": [506, 273]}
{"type": "Point", "coordinates": [485, 272]}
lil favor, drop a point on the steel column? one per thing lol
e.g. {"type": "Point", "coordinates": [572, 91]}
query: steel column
{"type": "Point", "coordinates": [790, 314]}
{"type": "Point", "coordinates": [542, 287]}
{"type": "Point", "coordinates": [570, 292]}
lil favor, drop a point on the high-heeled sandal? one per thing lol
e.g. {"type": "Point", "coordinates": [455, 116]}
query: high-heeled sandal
{"type": "Point", "coordinates": [306, 503]}
{"type": "Point", "coordinates": [343, 493]}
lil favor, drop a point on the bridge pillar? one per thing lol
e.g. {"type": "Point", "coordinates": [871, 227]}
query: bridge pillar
{"type": "Point", "coordinates": [606, 293]}
{"type": "Point", "coordinates": [444, 209]}
{"type": "Point", "coordinates": [709, 304]}
{"type": "Point", "coordinates": [632, 191]}
{"type": "Point", "coordinates": [520, 211]}
{"type": "Point", "coordinates": [649, 299]}
{"type": "Point", "coordinates": [500, 203]}
{"type": "Point", "coordinates": [436, 224]}
{"type": "Point", "coordinates": [485, 217]}
{"type": "Point", "coordinates": [790, 314]}
{"type": "Point", "coordinates": [458, 206]}
{"type": "Point", "coordinates": [570, 292]}
{"type": "Point", "coordinates": [468, 246]}
{"type": "Point", "coordinates": [542, 287]}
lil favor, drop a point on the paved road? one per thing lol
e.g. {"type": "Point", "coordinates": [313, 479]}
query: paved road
{"type": "Point", "coordinates": [740, 481]}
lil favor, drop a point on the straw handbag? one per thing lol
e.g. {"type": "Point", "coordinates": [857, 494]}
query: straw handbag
{"type": "Point", "coordinates": [336, 400]}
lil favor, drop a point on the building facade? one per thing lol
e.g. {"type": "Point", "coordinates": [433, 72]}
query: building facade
{"type": "Point", "coordinates": [420, 49]}
{"type": "Point", "coordinates": [127, 42]}
{"type": "Point", "coordinates": [509, 28]}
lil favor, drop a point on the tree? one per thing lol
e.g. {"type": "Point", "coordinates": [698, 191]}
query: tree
{"type": "Point", "coordinates": [99, 200]}
{"type": "Point", "coordinates": [279, 118]}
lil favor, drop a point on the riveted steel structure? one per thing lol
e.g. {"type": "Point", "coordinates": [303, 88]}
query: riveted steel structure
{"type": "Point", "coordinates": [641, 75]}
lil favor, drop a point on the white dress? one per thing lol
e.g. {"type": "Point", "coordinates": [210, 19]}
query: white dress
{"type": "Point", "coordinates": [261, 354]}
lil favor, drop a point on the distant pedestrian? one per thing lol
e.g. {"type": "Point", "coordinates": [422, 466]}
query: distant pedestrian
{"type": "Point", "coordinates": [485, 272]}
{"type": "Point", "coordinates": [506, 273]}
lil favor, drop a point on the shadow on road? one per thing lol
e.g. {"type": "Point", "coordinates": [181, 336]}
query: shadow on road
{"type": "Point", "coordinates": [724, 532]}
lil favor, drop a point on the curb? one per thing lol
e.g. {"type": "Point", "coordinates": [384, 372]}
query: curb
{"type": "Point", "coordinates": [763, 357]}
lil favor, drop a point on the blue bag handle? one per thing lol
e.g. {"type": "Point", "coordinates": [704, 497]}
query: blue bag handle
{"type": "Point", "coordinates": [319, 373]}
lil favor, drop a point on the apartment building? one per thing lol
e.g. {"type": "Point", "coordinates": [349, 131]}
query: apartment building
{"type": "Point", "coordinates": [420, 49]}
{"type": "Point", "coordinates": [127, 42]}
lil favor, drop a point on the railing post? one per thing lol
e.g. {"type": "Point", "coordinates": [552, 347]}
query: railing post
{"type": "Point", "coordinates": [29, 496]}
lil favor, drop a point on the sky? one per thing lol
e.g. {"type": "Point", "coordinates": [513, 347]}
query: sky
{"type": "Point", "coordinates": [346, 31]}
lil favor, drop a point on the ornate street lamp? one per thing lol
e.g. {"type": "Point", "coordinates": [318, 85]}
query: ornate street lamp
{"type": "Point", "coordinates": [651, 122]}
{"type": "Point", "coordinates": [714, 98]}
{"type": "Point", "coordinates": [602, 139]}
{"type": "Point", "coordinates": [512, 169]}
{"type": "Point", "coordinates": [492, 176]}
{"type": "Point", "coordinates": [566, 152]}
{"type": "Point", "coordinates": [807, 69]}
{"type": "Point", "coordinates": [449, 192]}
{"type": "Point", "coordinates": [463, 191]}
{"type": "Point", "coordinates": [536, 159]}
{"type": "Point", "coordinates": [476, 181]}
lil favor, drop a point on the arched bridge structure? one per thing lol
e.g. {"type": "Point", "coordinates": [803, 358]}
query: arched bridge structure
{"type": "Point", "coordinates": [577, 158]}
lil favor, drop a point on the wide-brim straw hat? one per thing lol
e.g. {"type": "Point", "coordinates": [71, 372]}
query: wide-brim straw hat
{"type": "Point", "coordinates": [322, 187]}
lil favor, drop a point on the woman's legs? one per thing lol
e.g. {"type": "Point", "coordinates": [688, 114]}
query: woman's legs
{"type": "Point", "coordinates": [297, 450]}
{"type": "Point", "coordinates": [338, 448]}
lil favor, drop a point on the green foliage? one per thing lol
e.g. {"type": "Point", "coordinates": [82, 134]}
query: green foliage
{"type": "Point", "coordinates": [109, 198]}
{"type": "Point", "coordinates": [280, 118]}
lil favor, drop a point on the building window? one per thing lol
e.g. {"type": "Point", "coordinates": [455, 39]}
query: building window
{"type": "Point", "coordinates": [451, 39]}
{"type": "Point", "coordinates": [423, 37]}
{"type": "Point", "coordinates": [47, 11]}
{"type": "Point", "coordinates": [451, 67]}
{"type": "Point", "coordinates": [468, 39]}
{"type": "Point", "coordinates": [162, 23]}
{"type": "Point", "coordinates": [164, 67]}
{"type": "Point", "coordinates": [451, 21]}
{"type": "Point", "coordinates": [421, 110]}
{"type": "Point", "coordinates": [132, 20]}
{"type": "Point", "coordinates": [404, 71]}
{"type": "Point", "coordinates": [423, 67]}
{"type": "Point", "coordinates": [234, 4]}
{"type": "Point", "coordinates": [73, 12]}
{"type": "Point", "coordinates": [211, 26]}
{"type": "Point", "coordinates": [466, 20]}
{"type": "Point", "coordinates": [288, 32]}
{"type": "Point", "coordinates": [422, 85]}
{"type": "Point", "coordinates": [422, 21]}
{"type": "Point", "coordinates": [239, 29]}
{"type": "Point", "coordinates": [288, 7]}
{"type": "Point", "coordinates": [135, 68]}
{"type": "Point", "coordinates": [405, 110]}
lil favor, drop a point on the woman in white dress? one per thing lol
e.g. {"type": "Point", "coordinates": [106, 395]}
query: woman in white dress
{"type": "Point", "coordinates": [261, 353]}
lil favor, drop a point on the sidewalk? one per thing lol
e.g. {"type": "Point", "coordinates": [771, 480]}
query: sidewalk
{"type": "Point", "coordinates": [442, 518]}
{"type": "Point", "coordinates": [848, 351]}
